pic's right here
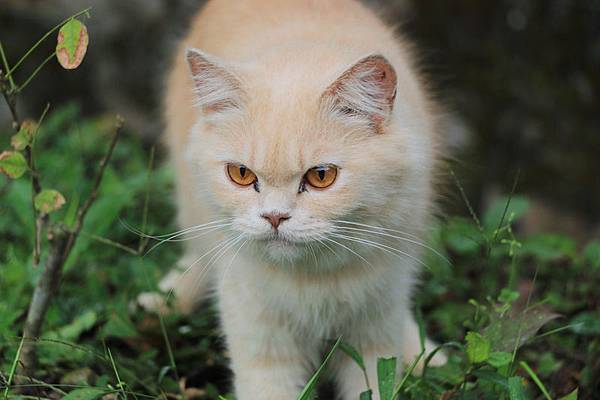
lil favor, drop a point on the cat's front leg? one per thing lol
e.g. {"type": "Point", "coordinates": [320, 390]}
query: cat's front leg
{"type": "Point", "coordinates": [186, 284]}
{"type": "Point", "coordinates": [350, 378]}
{"type": "Point", "coordinates": [397, 337]}
{"type": "Point", "coordinates": [269, 359]}
{"type": "Point", "coordinates": [268, 362]}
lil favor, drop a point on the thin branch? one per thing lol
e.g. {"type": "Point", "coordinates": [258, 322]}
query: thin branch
{"type": "Point", "coordinates": [144, 240]}
{"type": "Point", "coordinates": [44, 291]}
{"type": "Point", "coordinates": [61, 241]}
{"type": "Point", "coordinates": [35, 46]}
{"type": "Point", "coordinates": [36, 187]}
{"type": "Point", "coordinates": [11, 101]}
{"type": "Point", "coordinates": [7, 67]}
{"type": "Point", "coordinates": [109, 242]}
{"type": "Point", "coordinates": [35, 71]}
{"type": "Point", "coordinates": [81, 213]}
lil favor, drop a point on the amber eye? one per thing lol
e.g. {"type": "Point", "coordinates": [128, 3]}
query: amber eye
{"type": "Point", "coordinates": [240, 174]}
{"type": "Point", "coordinates": [321, 177]}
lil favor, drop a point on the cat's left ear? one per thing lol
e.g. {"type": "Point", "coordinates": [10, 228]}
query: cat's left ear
{"type": "Point", "coordinates": [365, 90]}
{"type": "Point", "coordinates": [216, 88]}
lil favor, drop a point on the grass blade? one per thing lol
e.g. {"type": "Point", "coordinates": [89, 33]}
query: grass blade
{"type": "Point", "coordinates": [308, 390]}
{"type": "Point", "coordinates": [355, 355]}
{"type": "Point", "coordinates": [386, 376]}
{"type": "Point", "coordinates": [536, 379]}
{"type": "Point", "coordinates": [13, 368]}
{"type": "Point", "coordinates": [515, 388]}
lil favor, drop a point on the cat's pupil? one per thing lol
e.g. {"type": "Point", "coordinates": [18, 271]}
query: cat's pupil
{"type": "Point", "coordinates": [242, 171]}
{"type": "Point", "coordinates": [321, 173]}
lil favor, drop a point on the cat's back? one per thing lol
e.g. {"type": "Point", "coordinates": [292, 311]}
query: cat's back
{"type": "Point", "coordinates": [239, 30]}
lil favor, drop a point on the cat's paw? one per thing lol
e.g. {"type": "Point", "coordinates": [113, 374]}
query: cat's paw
{"type": "Point", "coordinates": [152, 302]}
{"type": "Point", "coordinates": [412, 352]}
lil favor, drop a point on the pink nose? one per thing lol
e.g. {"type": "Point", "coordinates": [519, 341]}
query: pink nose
{"type": "Point", "coordinates": [275, 218]}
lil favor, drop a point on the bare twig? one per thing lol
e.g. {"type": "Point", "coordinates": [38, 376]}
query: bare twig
{"type": "Point", "coordinates": [81, 213]}
{"type": "Point", "coordinates": [61, 241]}
{"type": "Point", "coordinates": [10, 96]}
{"type": "Point", "coordinates": [36, 186]}
{"type": "Point", "coordinates": [42, 294]}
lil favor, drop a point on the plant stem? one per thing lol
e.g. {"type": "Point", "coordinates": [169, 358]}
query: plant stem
{"type": "Point", "coordinates": [35, 72]}
{"type": "Point", "coordinates": [6, 67]}
{"type": "Point", "coordinates": [81, 213]}
{"type": "Point", "coordinates": [62, 241]}
{"type": "Point", "coordinates": [40, 219]}
{"type": "Point", "coordinates": [35, 46]}
{"type": "Point", "coordinates": [42, 295]}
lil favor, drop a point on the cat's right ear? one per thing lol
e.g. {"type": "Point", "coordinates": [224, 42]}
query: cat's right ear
{"type": "Point", "coordinates": [215, 87]}
{"type": "Point", "coordinates": [366, 90]}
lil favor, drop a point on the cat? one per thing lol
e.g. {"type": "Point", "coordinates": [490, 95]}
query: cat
{"type": "Point", "coordinates": [304, 145]}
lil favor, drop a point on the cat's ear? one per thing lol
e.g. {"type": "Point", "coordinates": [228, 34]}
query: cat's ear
{"type": "Point", "coordinates": [215, 87]}
{"type": "Point", "coordinates": [365, 90]}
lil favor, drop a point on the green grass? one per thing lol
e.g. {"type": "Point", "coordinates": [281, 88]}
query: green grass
{"type": "Point", "coordinates": [499, 287]}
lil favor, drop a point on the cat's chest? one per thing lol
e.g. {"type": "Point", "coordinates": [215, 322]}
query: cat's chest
{"type": "Point", "coordinates": [324, 305]}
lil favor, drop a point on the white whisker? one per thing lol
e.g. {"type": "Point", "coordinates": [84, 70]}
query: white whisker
{"type": "Point", "coordinates": [351, 251]}
{"type": "Point", "coordinates": [159, 237]}
{"type": "Point", "coordinates": [380, 246]}
{"type": "Point", "coordinates": [233, 258]}
{"type": "Point", "coordinates": [217, 248]}
{"type": "Point", "coordinates": [206, 229]}
{"type": "Point", "coordinates": [347, 228]}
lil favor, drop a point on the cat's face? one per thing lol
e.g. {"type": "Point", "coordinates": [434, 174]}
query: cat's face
{"type": "Point", "coordinates": [289, 163]}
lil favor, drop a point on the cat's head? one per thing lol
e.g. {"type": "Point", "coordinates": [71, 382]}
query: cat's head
{"type": "Point", "coordinates": [298, 155]}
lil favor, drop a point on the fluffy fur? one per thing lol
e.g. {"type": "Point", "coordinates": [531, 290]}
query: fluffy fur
{"type": "Point", "coordinates": [281, 87]}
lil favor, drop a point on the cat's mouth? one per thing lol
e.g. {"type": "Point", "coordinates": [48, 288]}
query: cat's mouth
{"type": "Point", "coordinates": [280, 242]}
{"type": "Point", "coordinates": [278, 239]}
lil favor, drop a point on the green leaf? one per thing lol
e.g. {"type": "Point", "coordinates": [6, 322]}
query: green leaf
{"type": "Point", "coordinates": [462, 236]}
{"type": "Point", "coordinates": [85, 394]}
{"type": "Point", "coordinates": [499, 359]}
{"type": "Point", "coordinates": [547, 364]}
{"type": "Point", "coordinates": [72, 44]}
{"type": "Point", "coordinates": [492, 216]}
{"type": "Point", "coordinates": [368, 395]}
{"type": "Point", "coordinates": [591, 254]}
{"type": "Point", "coordinates": [48, 200]}
{"type": "Point", "coordinates": [81, 324]}
{"type": "Point", "coordinates": [24, 137]}
{"type": "Point", "coordinates": [386, 377]}
{"type": "Point", "coordinates": [478, 347]}
{"type": "Point", "coordinates": [571, 396]}
{"type": "Point", "coordinates": [535, 379]}
{"type": "Point", "coordinates": [20, 141]}
{"type": "Point", "coordinates": [12, 164]}
{"type": "Point", "coordinates": [586, 323]}
{"type": "Point", "coordinates": [308, 390]}
{"type": "Point", "coordinates": [508, 296]}
{"type": "Point", "coordinates": [353, 353]}
{"type": "Point", "coordinates": [515, 388]}
{"type": "Point", "coordinates": [119, 326]}
{"type": "Point", "coordinates": [507, 332]}
{"type": "Point", "coordinates": [491, 376]}
{"type": "Point", "coordinates": [548, 246]}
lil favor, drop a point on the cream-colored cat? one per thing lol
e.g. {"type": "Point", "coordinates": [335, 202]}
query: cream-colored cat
{"type": "Point", "coordinates": [304, 145]}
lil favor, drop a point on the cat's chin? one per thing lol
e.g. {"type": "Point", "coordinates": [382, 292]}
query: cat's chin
{"type": "Point", "coordinates": [285, 251]}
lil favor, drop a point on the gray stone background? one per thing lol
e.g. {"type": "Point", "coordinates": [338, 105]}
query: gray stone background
{"type": "Point", "coordinates": [520, 79]}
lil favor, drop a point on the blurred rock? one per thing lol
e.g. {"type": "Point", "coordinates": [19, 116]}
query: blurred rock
{"type": "Point", "coordinates": [130, 48]}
